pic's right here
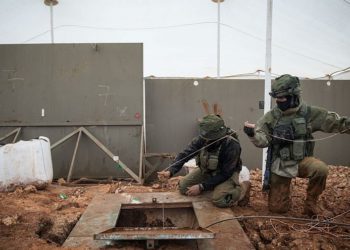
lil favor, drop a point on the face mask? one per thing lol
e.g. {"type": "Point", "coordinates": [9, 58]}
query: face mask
{"type": "Point", "coordinates": [291, 102]}
{"type": "Point", "coordinates": [283, 105]}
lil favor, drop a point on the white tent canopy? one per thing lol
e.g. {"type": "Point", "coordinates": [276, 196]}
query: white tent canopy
{"type": "Point", "coordinates": [309, 38]}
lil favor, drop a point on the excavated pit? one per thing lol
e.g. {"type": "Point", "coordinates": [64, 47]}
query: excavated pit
{"type": "Point", "coordinates": [156, 221]}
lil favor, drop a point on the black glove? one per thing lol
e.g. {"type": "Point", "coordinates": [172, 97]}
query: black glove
{"type": "Point", "coordinates": [249, 131]}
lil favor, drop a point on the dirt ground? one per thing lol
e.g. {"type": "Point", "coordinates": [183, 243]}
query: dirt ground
{"type": "Point", "coordinates": [42, 219]}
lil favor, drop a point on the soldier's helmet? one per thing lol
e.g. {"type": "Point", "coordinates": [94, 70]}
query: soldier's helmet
{"type": "Point", "coordinates": [285, 85]}
{"type": "Point", "coordinates": [212, 127]}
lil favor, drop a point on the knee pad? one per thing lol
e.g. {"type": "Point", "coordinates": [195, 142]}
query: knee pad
{"type": "Point", "coordinates": [226, 200]}
{"type": "Point", "coordinates": [222, 202]}
{"type": "Point", "coordinates": [322, 169]}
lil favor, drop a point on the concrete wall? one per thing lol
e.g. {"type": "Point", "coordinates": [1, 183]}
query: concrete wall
{"type": "Point", "coordinates": [51, 90]}
{"type": "Point", "coordinates": [173, 107]}
{"type": "Point", "coordinates": [335, 97]}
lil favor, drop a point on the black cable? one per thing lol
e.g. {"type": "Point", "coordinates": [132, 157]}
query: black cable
{"type": "Point", "coordinates": [281, 218]}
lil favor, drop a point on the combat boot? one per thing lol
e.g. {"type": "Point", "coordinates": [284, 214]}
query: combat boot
{"type": "Point", "coordinates": [310, 206]}
{"type": "Point", "coordinates": [245, 194]}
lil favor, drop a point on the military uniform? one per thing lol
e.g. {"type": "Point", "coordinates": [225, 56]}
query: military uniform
{"type": "Point", "coordinates": [289, 134]}
{"type": "Point", "coordinates": [219, 163]}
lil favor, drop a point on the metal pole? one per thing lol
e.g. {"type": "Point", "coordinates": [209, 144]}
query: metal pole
{"type": "Point", "coordinates": [51, 22]}
{"type": "Point", "coordinates": [267, 98]}
{"type": "Point", "coordinates": [218, 42]}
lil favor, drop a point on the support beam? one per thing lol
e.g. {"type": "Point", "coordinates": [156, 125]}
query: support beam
{"type": "Point", "coordinates": [110, 154]}
{"type": "Point", "coordinates": [15, 131]}
{"type": "Point", "coordinates": [100, 145]}
{"type": "Point", "coordinates": [73, 157]}
{"type": "Point", "coordinates": [141, 165]}
{"type": "Point", "coordinates": [53, 146]}
{"type": "Point", "coordinates": [17, 134]}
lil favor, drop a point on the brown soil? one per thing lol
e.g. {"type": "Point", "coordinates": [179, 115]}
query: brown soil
{"type": "Point", "coordinates": [283, 234]}
{"type": "Point", "coordinates": [42, 219]}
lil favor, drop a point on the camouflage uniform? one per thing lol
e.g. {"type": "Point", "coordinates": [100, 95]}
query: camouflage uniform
{"type": "Point", "coordinates": [219, 163]}
{"type": "Point", "coordinates": [293, 157]}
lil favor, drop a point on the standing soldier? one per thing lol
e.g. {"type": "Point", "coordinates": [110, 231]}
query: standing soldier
{"type": "Point", "coordinates": [287, 131]}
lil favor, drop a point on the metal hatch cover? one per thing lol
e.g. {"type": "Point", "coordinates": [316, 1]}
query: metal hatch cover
{"type": "Point", "coordinates": [154, 233]}
{"type": "Point", "coordinates": [156, 221]}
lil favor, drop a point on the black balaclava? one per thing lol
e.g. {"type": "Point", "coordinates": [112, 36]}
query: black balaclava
{"type": "Point", "coordinates": [291, 102]}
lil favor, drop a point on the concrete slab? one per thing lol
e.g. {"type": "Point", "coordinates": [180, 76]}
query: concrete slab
{"type": "Point", "coordinates": [228, 234]}
{"type": "Point", "coordinates": [84, 241]}
{"type": "Point", "coordinates": [103, 212]}
{"type": "Point", "coordinates": [100, 215]}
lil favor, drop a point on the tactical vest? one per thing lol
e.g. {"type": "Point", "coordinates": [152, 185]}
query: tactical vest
{"type": "Point", "coordinates": [296, 129]}
{"type": "Point", "coordinates": [209, 161]}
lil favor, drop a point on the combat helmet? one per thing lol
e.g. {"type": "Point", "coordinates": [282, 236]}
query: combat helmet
{"type": "Point", "coordinates": [285, 85]}
{"type": "Point", "coordinates": [212, 127]}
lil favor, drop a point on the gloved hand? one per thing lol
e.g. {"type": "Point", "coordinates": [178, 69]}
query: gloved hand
{"type": "Point", "coordinates": [163, 176]}
{"type": "Point", "coordinates": [249, 129]}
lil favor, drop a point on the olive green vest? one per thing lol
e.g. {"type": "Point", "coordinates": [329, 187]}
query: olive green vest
{"type": "Point", "coordinates": [208, 161]}
{"type": "Point", "coordinates": [287, 154]}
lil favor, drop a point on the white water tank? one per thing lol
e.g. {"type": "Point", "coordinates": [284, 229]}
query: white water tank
{"type": "Point", "coordinates": [26, 162]}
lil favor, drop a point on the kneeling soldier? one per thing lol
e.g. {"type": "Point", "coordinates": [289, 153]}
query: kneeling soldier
{"type": "Point", "coordinates": [287, 131]}
{"type": "Point", "coordinates": [217, 152]}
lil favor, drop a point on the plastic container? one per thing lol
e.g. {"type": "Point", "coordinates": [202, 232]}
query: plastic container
{"type": "Point", "coordinates": [190, 166]}
{"type": "Point", "coordinates": [244, 175]}
{"type": "Point", "coordinates": [26, 162]}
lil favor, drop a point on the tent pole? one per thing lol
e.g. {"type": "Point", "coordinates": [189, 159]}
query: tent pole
{"type": "Point", "coordinates": [218, 42]}
{"type": "Point", "coordinates": [267, 98]}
